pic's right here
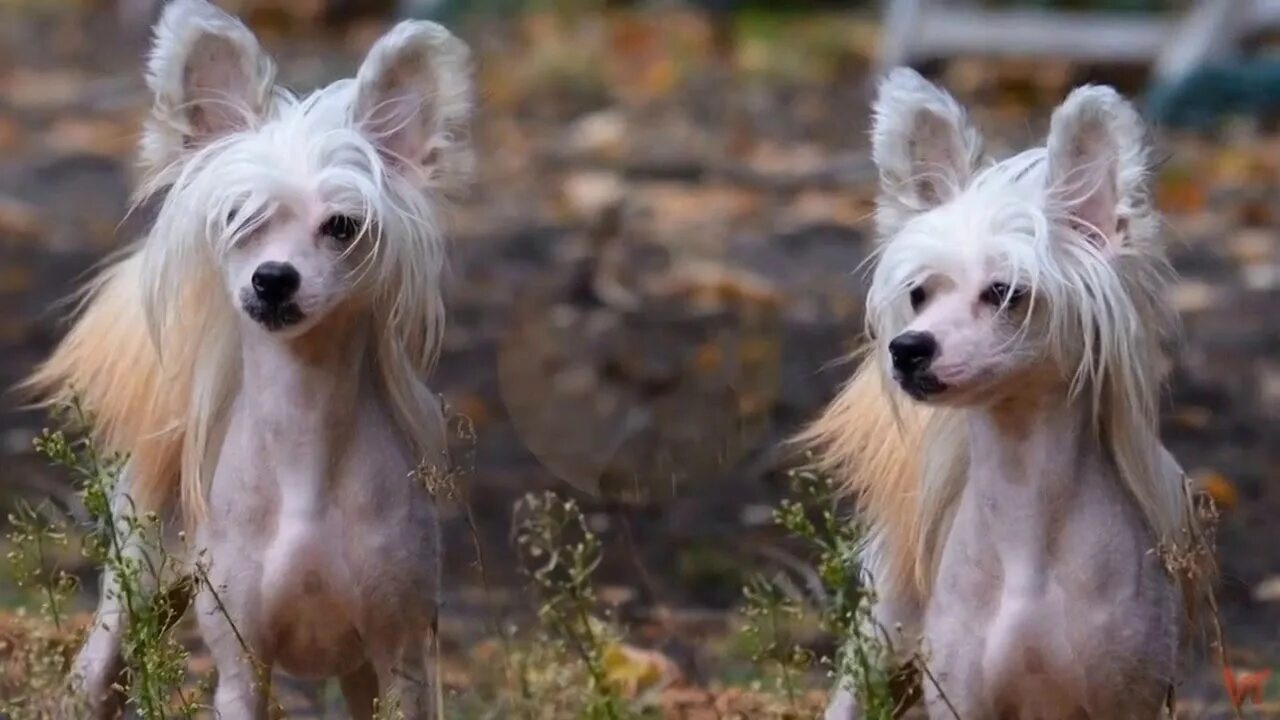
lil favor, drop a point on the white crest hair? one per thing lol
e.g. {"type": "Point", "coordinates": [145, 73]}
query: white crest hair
{"type": "Point", "coordinates": [393, 169]}
{"type": "Point", "coordinates": [1071, 223]}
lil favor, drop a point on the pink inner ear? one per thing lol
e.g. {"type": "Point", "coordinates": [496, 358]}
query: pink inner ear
{"type": "Point", "coordinates": [397, 126]}
{"type": "Point", "coordinates": [1096, 213]}
{"type": "Point", "coordinates": [1087, 184]}
{"type": "Point", "coordinates": [396, 117]}
{"type": "Point", "coordinates": [936, 160]}
{"type": "Point", "coordinates": [217, 88]}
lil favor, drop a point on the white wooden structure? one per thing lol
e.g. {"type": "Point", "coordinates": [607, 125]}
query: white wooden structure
{"type": "Point", "coordinates": [1209, 30]}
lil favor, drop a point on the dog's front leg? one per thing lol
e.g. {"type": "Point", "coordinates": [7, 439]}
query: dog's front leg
{"type": "Point", "coordinates": [360, 691]}
{"type": "Point", "coordinates": [408, 687]}
{"type": "Point", "coordinates": [244, 680]}
{"type": "Point", "coordinates": [96, 673]}
{"type": "Point", "coordinates": [408, 678]}
{"type": "Point", "coordinates": [99, 663]}
{"type": "Point", "coordinates": [244, 668]}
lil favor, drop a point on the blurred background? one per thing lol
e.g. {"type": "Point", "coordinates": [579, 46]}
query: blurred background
{"type": "Point", "coordinates": [660, 268]}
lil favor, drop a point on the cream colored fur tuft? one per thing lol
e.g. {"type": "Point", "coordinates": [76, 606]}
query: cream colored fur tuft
{"type": "Point", "coordinates": [108, 362]}
{"type": "Point", "coordinates": [871, 443]}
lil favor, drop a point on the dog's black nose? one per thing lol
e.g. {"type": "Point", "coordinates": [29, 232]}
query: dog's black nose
{"type": "Point", "coordinates": [275, 282]}
{"type": "Point", "coordinates": [912, 351]}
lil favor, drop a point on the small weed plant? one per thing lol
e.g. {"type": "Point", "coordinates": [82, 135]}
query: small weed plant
{"type": "Point", "coordinates": [566, 667]}
{"type": "Point", "coordinates": [839, 599]}
{"type": "Point", "coordinates": [127, 545]}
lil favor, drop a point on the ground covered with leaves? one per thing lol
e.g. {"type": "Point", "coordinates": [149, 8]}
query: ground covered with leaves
{"type": "Point", "coordinates": [654, 281]}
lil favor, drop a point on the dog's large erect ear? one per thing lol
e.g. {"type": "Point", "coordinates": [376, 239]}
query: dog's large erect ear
{"type": "Point", "coordinates": [209, 77]}
{"type": "Point", "coordinates": [923, 145]}
{"type": "Point", "coordinates": [1097, 163]}
{"type": "Point", "coordinates": [413, 99]}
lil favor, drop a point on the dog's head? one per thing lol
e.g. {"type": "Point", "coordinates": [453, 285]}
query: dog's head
{"type": "Point", "coordinates": [996, 276]}
{"type": "Point", "coordinates": [301, 204]}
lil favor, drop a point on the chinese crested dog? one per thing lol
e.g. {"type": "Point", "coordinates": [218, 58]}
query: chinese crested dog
{"type": "Point", "coordinates": [260, 356]}
{"type": "Point", "coordinates": [1001, 437]}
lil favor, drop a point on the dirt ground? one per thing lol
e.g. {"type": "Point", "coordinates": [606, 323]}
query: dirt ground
{"type": "Point", "coordinates": [656, 277]}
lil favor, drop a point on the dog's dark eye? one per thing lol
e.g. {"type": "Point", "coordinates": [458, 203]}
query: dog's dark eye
{"type": "Point", "coordinates": [241, 221]}
{"type": "Point", "coordinates": [1001, 294]}
{"type": "Point", "coordinates": [342, 228]}
{"type": "Point", "coordinates": [917, 297]}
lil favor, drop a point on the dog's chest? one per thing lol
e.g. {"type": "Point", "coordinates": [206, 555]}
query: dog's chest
{"type": "Point", "coordinates": [312, 614]}
{"type": "Point", "coordinates": [1054, 616]}
{"type": "Point", "coordinates": [313, 523]}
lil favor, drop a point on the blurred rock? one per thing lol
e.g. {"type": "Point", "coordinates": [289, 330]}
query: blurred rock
{"type": "Point", "coordinates": [91, 136]}
{"type": "Point", "coordinates": [1267, 591]}
{"type": "Point", "coordinates": [600, 135]}
{"type": "Point", "coordinates": [1191, 296]}
{"type": "Point", "coordinates": [588, 195]}
{"type": "Point", "coordinates": [40, 89]}
{"type": "Point", "coordinates": [20, 219]}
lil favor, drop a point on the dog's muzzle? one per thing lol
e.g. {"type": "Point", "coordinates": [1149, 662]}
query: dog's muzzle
{"type": "Point", "coordinates": [920, 386]}
{"type": "Point", "coordinates": [271, 315]}
{"type": "Point", "coordinates": [270, 302]}
{"type": "Point", "coordinates": [912, 354]}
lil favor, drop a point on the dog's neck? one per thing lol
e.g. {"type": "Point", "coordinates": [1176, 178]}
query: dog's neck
{"type": "Point", "coordinates": [1029, 441]}
{"type": "Point", "coordinates": [308, 386]}
{"type": "Point", "coordinates": [1029, 457]}
{"type": "Point", "coordinates": [333, 349]}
